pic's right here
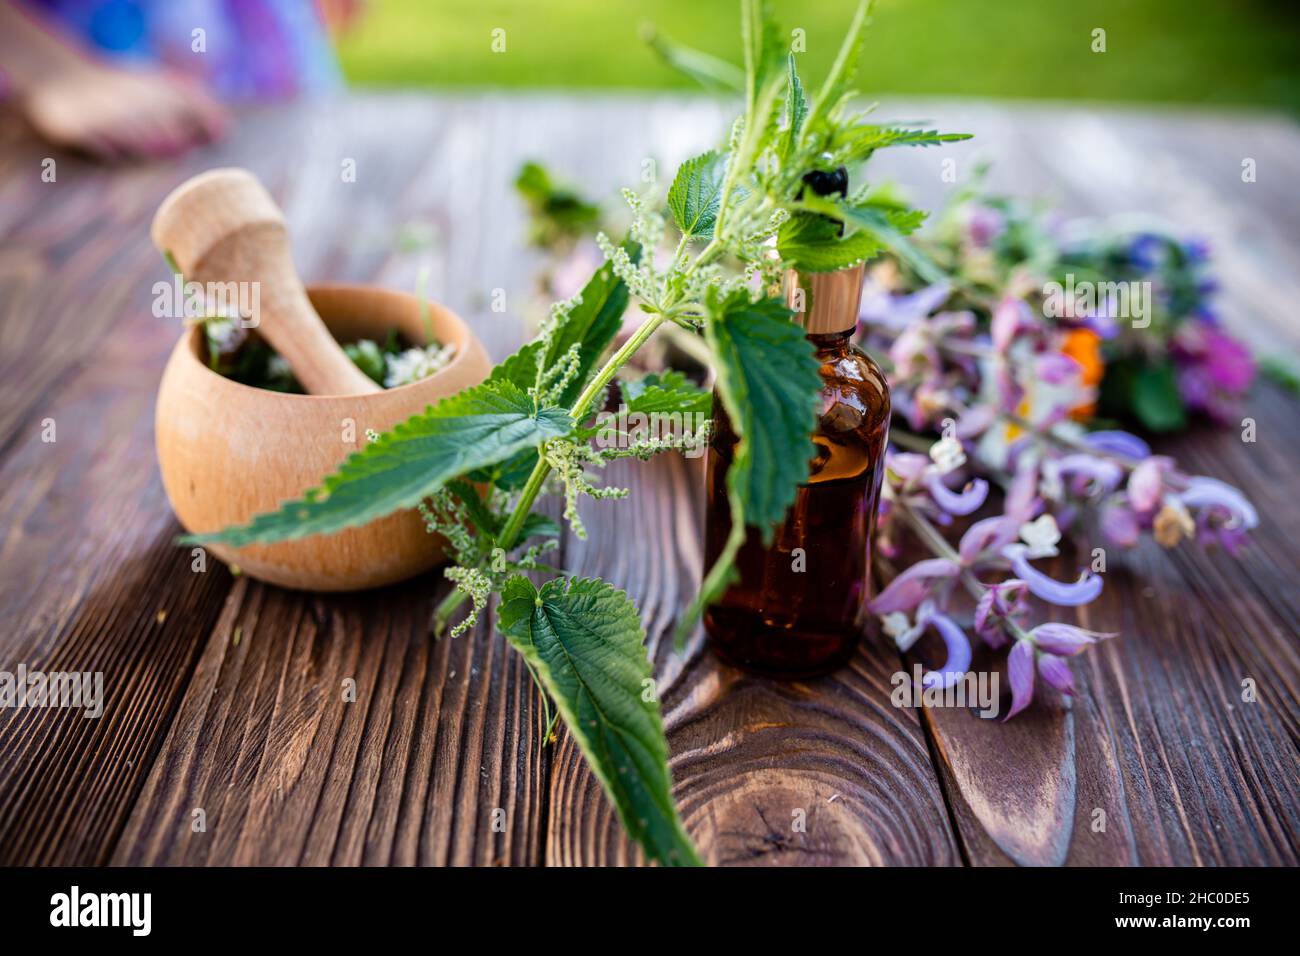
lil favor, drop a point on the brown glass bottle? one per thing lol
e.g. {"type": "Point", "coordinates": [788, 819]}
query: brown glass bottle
{"type": "Point", "coordinates": [797, 613]}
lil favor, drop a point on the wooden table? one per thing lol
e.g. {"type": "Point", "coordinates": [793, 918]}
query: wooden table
{"type": "Point", "coordinates": [224, 694]}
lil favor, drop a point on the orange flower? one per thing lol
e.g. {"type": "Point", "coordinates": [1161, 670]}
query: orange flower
{"type": "Point", "coordinates": [1084, 346]}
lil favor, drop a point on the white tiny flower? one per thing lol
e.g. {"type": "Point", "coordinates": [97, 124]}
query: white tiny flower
{"type": "Point", "coordinates": [1050, 485]}
{"type": "Point", "coordinates": [895, 623]}
{"type": "Point", "coordinates": [947, 454]}
{"type": "Point", "coordinates": [1041, 535]}
{"type": "Point", "coordinates": [904, 633]}
{"type": "Point", "coordinates": [223, 333]}
{"type": "Point", "coordinates": [415, 364]}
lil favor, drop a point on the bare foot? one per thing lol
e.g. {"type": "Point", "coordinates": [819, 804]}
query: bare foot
{"type": "Point", "coordinates": [117, 114]}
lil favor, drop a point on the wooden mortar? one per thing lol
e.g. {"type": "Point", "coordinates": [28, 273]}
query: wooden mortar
{"type": "Point", "coordinates": [229, 451]}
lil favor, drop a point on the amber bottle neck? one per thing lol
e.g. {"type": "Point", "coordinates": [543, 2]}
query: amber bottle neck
{"type": "Point", "coordinates": [832, 343]}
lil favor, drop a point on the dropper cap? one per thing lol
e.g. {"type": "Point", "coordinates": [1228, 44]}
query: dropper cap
{"type": "Point", "coordinates": [825, 302]}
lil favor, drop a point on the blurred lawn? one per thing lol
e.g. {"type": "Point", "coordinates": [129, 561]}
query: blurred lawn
{"type": "Point", "coordinates": [1199, 51]}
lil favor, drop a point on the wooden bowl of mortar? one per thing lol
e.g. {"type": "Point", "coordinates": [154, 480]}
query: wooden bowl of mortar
{"type": "Point", "coordinates": [229, 451]}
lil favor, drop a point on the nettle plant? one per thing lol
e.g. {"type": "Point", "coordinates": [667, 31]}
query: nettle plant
{"type": "Point", "coordinates": [477, 463]}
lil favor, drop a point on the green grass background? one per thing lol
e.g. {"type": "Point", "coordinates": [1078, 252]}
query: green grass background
{"type": "Point", "coordinates": [1190, 51]}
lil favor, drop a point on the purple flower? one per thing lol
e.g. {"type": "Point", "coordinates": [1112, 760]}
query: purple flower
{"type": "Point", "coordinates": [910, 588]}
{"type": "Point", "coordinates": [975, 421]}
{"type": "Point", "coordinates": [1056, 367]}
{"type": "Point", "coordinates": [1147, 250]}
{"type": "Point", "coordinates": [914, 352]}
{"type": "Point", "coordinates": [1145, 484]}
{"type": "Point", "coordinates": [1022, 502]}
{"type": "Point", "coordinates": [900, 311]}
{"type": "Point", "coordinates": [987, 533]}
{"type": "Point", "coordinates": [1020, 672]}
{"type": "Point", "coordinates": [1057, 673]}
{"type": "Point", "coordinates": [959, 653]}
{"type": "Point", "coordinates": [1002, 601]}
{"type": "Point", "coordinates": [1119, 443]}
{"type": "Point", "coordinates": [906, 464]}
{"type": "Point", "coordinates": [984, 225]}
{"type": "Point", "coordinates": [1091, 474]}
{"type": "Point", "coordinates": [1223, 513]}
{"type": "Point", "coordinates": [1210, 494]}
{"type": "Point", "coordinates": [1011, 317]}
{"type": "Point", "coordinates": [1196, 251]}
{"type": "Point", "coordinates": [1065, 640]}
{"type": "Point", "coordinates": [1214, 369]}
{"type": "Point", "coordinates": [1048, 589]}
{"type": "Point", "coordinates": [968, 500]}
{"type": "Point", "coordinates": [1119, 524]}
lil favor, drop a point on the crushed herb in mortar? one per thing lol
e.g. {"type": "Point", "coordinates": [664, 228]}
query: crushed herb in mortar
{"type": "Point", "coordinates": [243, 356]}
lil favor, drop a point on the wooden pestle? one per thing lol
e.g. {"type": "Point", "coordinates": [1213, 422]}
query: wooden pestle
{"type": "Point", "coordinates": [223, 226]}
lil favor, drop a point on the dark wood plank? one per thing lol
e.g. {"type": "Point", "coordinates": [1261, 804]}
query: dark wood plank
{"type": "Point", "coordinates": [750, 757]}
{"type": "Point", "coordinates": [90, 581]}
{"type": "Point", "coordinates": [1159, 738]}
{"type": "Point", "coordinates": [439, 760]}
{"type": "Point", "coordinates": [89, 578]}
{"type": "Point", "coordinates": [288, 772]}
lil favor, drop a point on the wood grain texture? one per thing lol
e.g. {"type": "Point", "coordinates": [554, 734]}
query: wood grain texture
{"type": "Point", "coordinates": [823, 772]}
{"type": "Point", "coordinates": [289, 772]}
{"type": "Point", "coordinates": [83, 514]}
{"type": "Point", "coordinates": [443, 764]}
{"type": "Point", "coordinates": [91, 582]}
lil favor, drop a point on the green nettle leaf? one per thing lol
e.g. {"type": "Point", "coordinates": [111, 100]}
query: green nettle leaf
{"type": "Point", "coordinates": [485, 520]}
{"type": "Point", "coordinates": [478, 427]}
{"type": "Point", "coordinates": [520, 368]}
{"type": "Point", "coordinates": [796, 106]}
{"type": "Point", "coordinates": [762, 44]}
{"type": "Point", "coordinates": [1157, 403]}
{"type": "Point", "coordinates": [583, 640]}
{"type": "Point", "coordinates": [706, 69]}
{"type": "Point", "coordinates": [810, 242]}
{"type": "Point", "coordinates": [864, 140]}
{"type": "Point", "coordinates": [882, 224]}
{"type": "Point", "coordinates": [842, 71]}
{"type": "Point", "coordinates": [556, 211]}
{"type": "Point", "coordinates": [538, 525]}
{"type": "Point", "coordinates": [694, 195]}
{"type": "Point", "coordinates": [769, 383]}
{"type": "Point", "coordinates": [666, 393]}
{"type": "Point", "coordinates": [592, 325]}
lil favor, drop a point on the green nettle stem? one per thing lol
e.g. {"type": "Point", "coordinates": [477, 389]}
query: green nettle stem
{"type": "Point", "coordinates": [580, 409]}
{"type": "Point", "coordinates": [533, 487]}
{"type": "Point", "coordinates": [445, 609]}
{"type": "Point", "coordinates": [938, 545]}
{"type": "Point", "coordinates": [582, 406]}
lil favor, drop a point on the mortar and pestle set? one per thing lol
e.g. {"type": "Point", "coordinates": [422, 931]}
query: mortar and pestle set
{"type": "Point", "coordinates": [229, 451]}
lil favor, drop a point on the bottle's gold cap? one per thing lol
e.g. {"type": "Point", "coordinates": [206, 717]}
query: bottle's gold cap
{"type": "Point", "coordinates": [825, 302]}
